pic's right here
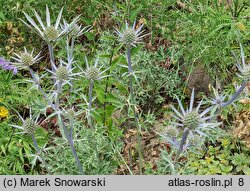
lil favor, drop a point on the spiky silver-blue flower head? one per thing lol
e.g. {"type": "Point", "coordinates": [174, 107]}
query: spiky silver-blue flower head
{"type": "Point", "coordinates": [192, 118]}
{"type": "Point", "coordinates": [49, 32]}
{"type": "Point", "coordinates": [26, 59]}
{"type": "Point", "coordinates": [131, 36]}
{"type": "Point", "coordinates": [94, 72]}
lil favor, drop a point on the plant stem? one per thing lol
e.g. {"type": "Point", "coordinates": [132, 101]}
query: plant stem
{"type": "Point", "coordinates": [243, 85]}
{"type": "Point", "coordinates": [40, 88]}
{"type": "Point", "coordinates": [67, 134]}
{"type": "Point", "coordinates": [52, 57]}
{"type": "Point", "coordinates": [130, 70]}
{"type": "Point", "coordinates": [183, 140]}
{"type": "Point", "coordinates": [106, 86]}
{"type": "Point", "coordinates": [39, 153]}
{"type": "Point", "coordinates": [89, 118]}
{"type": "Point", "coordinates": [71, 143]}
{"type": "Point", "coordinates": [91, 85]}
{"type": "Point", "coordinates": [58, 92]}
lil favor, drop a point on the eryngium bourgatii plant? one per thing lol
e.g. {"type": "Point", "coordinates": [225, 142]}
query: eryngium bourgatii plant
{"type": "Point", "coordinates": [130, 37]}
{"type": "Point", "coordinates": [92, 73]}
{"type": "Point", "coordinates": [244, 74]}
{"type": "Point", "coordinates": [48, 32]}
{"type": "Point", "coordinates": [192, 121]}
{"type": "Point", "coordinates": [26, 59]}
{"type": "Point", "coordinates": [29, 126]}
{"type": "Point", "coordinates": [62, 75]}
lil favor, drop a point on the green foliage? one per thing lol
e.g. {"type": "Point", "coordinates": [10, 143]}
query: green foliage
{"type": "Point", "coordinates": [61, 160]}
{"type": "Point", "coordinates": [204, 34]}
{"type": "Point", "coordinates": [155, 83]}
{"type": "Point", "coordinates": [16, 151]}
{"type": "Point", "coordinates": [227, 156]}
{"type": "Point", "coordinates": [165, 164]}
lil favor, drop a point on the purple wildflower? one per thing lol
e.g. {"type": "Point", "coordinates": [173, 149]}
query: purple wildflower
{"type": "Point", "coordinates": [6, 65]}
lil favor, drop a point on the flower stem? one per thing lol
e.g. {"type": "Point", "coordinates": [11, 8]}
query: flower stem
{"type": "Point", "coordinates": [183, 140]}
{"type": "Point", "coordinates": [243, 85]}
{"type": "Point", "coordinates": [40, 88]}
{"type": "Point", "coordinates": [71, 143]}
{"type": "Point", "coordinates": [89, 118]}
{"type": "Point", "coordinates": [66, 133]}
{"type": "Point", "coordinates": [130, 70]}
{"type": "Point", "coordinates": [52, 57]}
{"type": "Point", "coordinates": [58, 92]}
{"type": "Point", "coordinates": [91, 85]}
{"type": "Point", "coordinates": [70, 56]}
{"type": "Point", "coordinates": [38, 151]}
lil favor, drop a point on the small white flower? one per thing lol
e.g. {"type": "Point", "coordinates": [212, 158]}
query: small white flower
{"type": "Point", "coordinates": [26, 59]}
{"type": "Point", "coordinates": [131, 36]}
{"type": "Point", "coordinates": [192, 119]}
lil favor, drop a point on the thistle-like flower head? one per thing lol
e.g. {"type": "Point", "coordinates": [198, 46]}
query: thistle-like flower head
{"type": "Point", "coordinates": [243, 67]}
{"type": "Point", "coordinates": [26, 59]}
{"type": "Point", "coordinates": [191, 118]}
{"type": "Point", "coordinates": [93, 72]}
{"type": "Point", "coordinates": [29, 125]}
{"type": "Point", "coordinates": [131, 36]}
{"type": "Point", "coordinates": [51, 33]}
{"type": "Point", "coordinates": [48, 32]}
{"type": "Point", "coordinates": [217, 99]}
{"type": "Point", "coordinates": [63, 73]}
{"type": "Point", "coordinates": [76, 30]}
{"type": "Point", "coordinates": [71, 113]}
